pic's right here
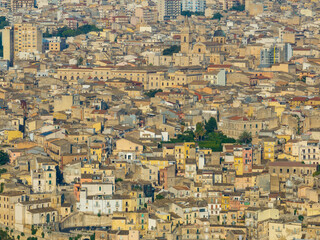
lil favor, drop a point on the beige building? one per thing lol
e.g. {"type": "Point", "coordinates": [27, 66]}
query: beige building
{"type": "Point", "coordinates": [288, 231]}
{"type": "Point", "coordinates": [7, 207]}
{"type": "Point", "coordinates": [27, 39]}
{"type": "Point", "coordinates": [7, 43]}
{"type": "Point", "coordinates": [236, 125]}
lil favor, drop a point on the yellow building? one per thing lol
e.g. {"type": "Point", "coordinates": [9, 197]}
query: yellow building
{"type": "Point", "coordinates": [288, 157]}
{"type": "Point", "coordinates": [238, 161]}
{"type": "Point", "coordinates": [160, 162]}
{"type": "Point", "coordinates": [136, 220]}
{"type": "Point", "coordinates": [10, 135]}
{"type": "Point", "coordinates": [225, 202]}
{"type": "Point", "coordinates": [129, 204]}
{"type": "Point", "coordinates": [97, 150]}
{"type": "Point", "coordinates": [182, 152]}
{"type": "Point", "coordinates": [269, 146]}
{"type": "Point", "coordinates": [121, 165]}
{"type": "Point", "coordinates": [278, 107]}
{"type": "Point", "coordinates": [60, 116]}
{"type": "Point", "coordinates": [90, 168]}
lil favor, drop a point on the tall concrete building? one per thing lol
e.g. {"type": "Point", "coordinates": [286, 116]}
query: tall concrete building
{"type": "Point", "coordinates": [169, 9]}
{"type": "Point", "coordinates": [14, 5]}
{"type": "Point", "coordinates": [194, 5]}
{"type": "Point", "coordinates": [24, 38]}
{"type": "Point", "coordinates": [276, 53]}
{"type": "Point", "coordinates": [7, 43]}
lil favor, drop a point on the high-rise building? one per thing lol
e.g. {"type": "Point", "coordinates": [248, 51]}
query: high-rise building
{"type": "Point", "coordinates": [194, 5]}
{"type": "Point", "coordinates": [169, 9]}
{"type": "Point", "coordinates": [7, 43]}
{"type": "Point", "coordinates": [276, 53]}
{"type": "Point", "coordinates": [23, 38]}
{"type": "Point", "coordinates": [27, 38]}
{"type": "Point", "coordinates": [14, 5]}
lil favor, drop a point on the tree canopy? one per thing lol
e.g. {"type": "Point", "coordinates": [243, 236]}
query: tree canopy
{"type": "Point", "coordinates": [4, 158]}
{"type": "Point", "coordinates": [152, 93]}
{"type": "Point", "coordinates": [205, 135]}
{"type": "Point", "coordinates": [211, 125]}
{"type": "Point", "coordinates": [171, 50]}
{"type": "Point", "coordinates": [68, 32]}
{"type": "Point", "coordinates": [239, 8]}
{"type": "Point", "coordinates": [200, 131]}
{"type": "Point", "coordinates": [245, 137]}
{"type": "Point", "coordinates": [217, 16]}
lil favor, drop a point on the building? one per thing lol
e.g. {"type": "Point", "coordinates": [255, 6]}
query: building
{"type": "Point", "coordinates": [14, 5]}
{"type": "Point", "coordinates": [194, 5]}
{"type": "Point", "coordinates": [44, 179]}
{"type": "Point", "coordinates": [7, 206]}
{"type": "Point", "coordinates": [23, 40]}
{"type": "Point", "coordinates": [169, 9]}
{"type": "Point", "coordinates": [54, 44]}
{"type": "Point", "coordinates": [217, 77]}
{"type": "Point", "coordinates": [146, 14]}
{"type": "Point", "coordinates": [276, 53]}
{"type": "Point", "coordinates": [285, 230]}
{"type": "Point", "coordinates": [7, 41]}
{"type": "Point", "coordinates": [27, 38]}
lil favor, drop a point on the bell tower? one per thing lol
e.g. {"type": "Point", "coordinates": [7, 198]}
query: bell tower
{"type": "Point", "coordinates": [185, 37]}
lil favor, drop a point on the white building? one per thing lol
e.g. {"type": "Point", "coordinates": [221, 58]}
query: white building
{"type": "Point", "coordinates": [194, 5]}
{"type": "Point", "coordinates": [44, 179]}
{"type": "Point", "coordinates": [98, 188]}
{"type": "Point", "coordinates": [217, 78]}
{"type": "Point", "coordinates": [99, 204]}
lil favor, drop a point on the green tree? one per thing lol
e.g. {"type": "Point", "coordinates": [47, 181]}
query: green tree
{"type": "Point", "coordinates": [3, 170]}
{"type": "Point", "coordinates": [119, 180]}
{"type": "Point", "coordinates": [4, 235]}
{"type": "Point", "coordinates": [217, 16]}
{"type": "Point", "coordinates": [211, 125]}
{"type": "Point", "coordinates": [200, 131]}
{"type": "Point", "coordinates": [239, 8]}
{"type": "Point", "coordinates": [59, 175]}
{"type": "Point", "coordinates": [171, 50]}
{"type": "Point", "coordinates": [245, 137]}
{"type": "Point", "coordinates": [33, 230]}
{"type": "Point", "coordinates": [159, 196]}
{"type": "Point", "coordinates": [152, 93]}
{"type": "Point", "coordinates": [4, 158]}
{"type": "Point", "coordinates": [300, 217]}
{"type": "Point", "coordinates": [80, 61]}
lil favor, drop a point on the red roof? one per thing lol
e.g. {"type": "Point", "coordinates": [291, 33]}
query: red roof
{"type": "Point", "coordinates": [239, 118]}
{"type": "Point", "coordinates": [220, 66]}
{"type": "Point", "coordinates": [315, 99]}
{"type": "Point", "coordinates": [99, 111]}
{"type": "Point", "coordinates": [300, 99]}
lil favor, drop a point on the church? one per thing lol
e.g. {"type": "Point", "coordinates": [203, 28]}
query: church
{"type": "Point", "coordinates": [201, 51]}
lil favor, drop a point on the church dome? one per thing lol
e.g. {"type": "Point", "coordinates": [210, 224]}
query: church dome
{"type": "Point", "coordinates": [219, 33]}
